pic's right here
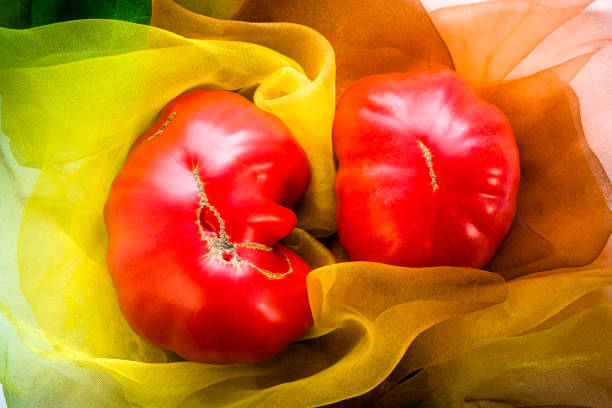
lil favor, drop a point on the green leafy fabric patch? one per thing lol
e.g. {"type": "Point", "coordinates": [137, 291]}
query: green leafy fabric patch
{"type": "Point", "coordinates": [32, 13]}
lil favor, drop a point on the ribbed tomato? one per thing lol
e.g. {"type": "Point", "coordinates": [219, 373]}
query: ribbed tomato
{"type": "Point", "coordinates": [428, 172]}
{"type": "Point", "coordinates": [194, 218]}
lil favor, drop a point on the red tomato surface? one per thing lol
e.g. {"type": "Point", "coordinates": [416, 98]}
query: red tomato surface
{"type": "Point", "coordinates": [428, 172]}
{"type": "Point", "coordinates": [194, 218]}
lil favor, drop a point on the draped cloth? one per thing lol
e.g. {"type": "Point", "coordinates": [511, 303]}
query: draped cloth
{"type": "Point", "coordinates": [530, 329]}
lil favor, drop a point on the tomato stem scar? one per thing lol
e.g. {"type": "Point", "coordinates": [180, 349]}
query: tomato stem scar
{"type": "Point", "coordinates": [427, 156]}
{"type": "Point", "coordinates": [219, 244]}
{"type": "Point", "coordinates": [161, 129]}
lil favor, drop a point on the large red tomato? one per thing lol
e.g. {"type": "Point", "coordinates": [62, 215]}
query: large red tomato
{"type": "Point", "coordinates": [428, 172]}
{"type": "Point", "coordinates": [194, 218]}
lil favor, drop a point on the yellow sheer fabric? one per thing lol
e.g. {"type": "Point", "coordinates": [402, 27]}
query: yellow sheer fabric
{"type": "Point", "coordinates": [564, 366]}
{"type": "Point", "coordinates": [76, 94]}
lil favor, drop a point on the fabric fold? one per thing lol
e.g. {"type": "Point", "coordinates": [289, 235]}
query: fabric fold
{"type": "Point", "coordinates": [383, 335]}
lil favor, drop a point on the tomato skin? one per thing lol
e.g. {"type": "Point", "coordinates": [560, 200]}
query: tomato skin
{"type": "Point", "coordinates": [194, 218]}
{"type": "Point", "coordinates": [428, 172]}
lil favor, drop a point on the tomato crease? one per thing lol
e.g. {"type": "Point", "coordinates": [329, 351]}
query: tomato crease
{"type": "Point", "coordinates": [219, 244]}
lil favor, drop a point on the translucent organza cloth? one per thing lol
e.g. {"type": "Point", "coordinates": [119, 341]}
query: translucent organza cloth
{"type": "Point", "coordinates": [530, 330]}
{"type": "Point", "coordinates": [33, 13]}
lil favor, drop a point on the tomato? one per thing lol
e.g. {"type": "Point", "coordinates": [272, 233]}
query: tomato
{"type": "Point", "coordinates": [194, 217]}
{"type": "Point", "coordinates": [428, 172]}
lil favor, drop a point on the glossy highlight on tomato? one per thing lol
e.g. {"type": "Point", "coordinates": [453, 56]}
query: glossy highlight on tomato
{"type": "Point", "coordinates": [194, 218]}
{"type": "Point", "coordinates": [428, 172]}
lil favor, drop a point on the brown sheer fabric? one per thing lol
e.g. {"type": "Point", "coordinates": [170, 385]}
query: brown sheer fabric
{"type": "Point", "coordinates": [368, 36]}
{"type": "Point", "coordinates": [488, 40]}
{"type": "Point", "coordinates": [562, 219]}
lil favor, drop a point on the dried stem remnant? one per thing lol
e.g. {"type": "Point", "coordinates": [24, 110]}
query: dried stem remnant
{"type": "Point", "coordinates": [427, 156]}
{"type": "Point", "coordinates": [161, 129]}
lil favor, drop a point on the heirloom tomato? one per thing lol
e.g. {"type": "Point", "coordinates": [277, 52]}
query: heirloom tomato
{"type": "Point", "coordinates": [428, 172]}
{"type": "Point", "coordinates": [194, 217]}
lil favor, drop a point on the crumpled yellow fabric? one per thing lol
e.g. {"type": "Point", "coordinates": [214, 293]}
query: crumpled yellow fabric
{"type": "Point", "coordinates": [74, 96]}
{"type": "Point", "coordinates": [564, 365]}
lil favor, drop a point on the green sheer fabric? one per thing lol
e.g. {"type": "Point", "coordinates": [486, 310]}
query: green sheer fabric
{"type": "Point", "coordinates": [33, 13]}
